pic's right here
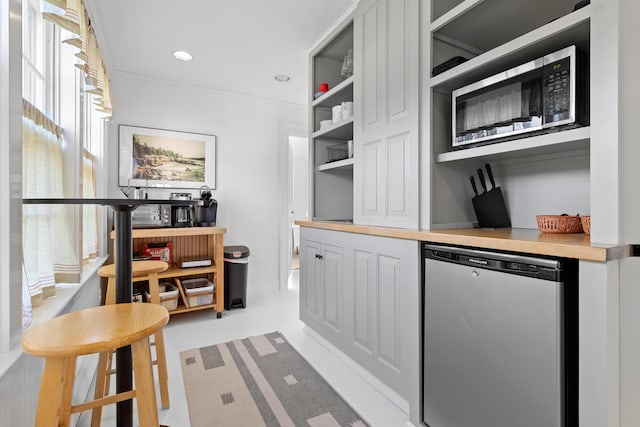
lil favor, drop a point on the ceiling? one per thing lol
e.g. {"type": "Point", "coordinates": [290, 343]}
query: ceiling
{"type": "Point", "coordinates": [237, 45]}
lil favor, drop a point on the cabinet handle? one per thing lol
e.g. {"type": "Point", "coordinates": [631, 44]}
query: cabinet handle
{"type": "Point", "coordinates": [318, 256]}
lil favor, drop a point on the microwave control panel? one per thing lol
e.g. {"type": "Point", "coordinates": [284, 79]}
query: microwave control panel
{"type": "Point", "coordinates": [557, 91]}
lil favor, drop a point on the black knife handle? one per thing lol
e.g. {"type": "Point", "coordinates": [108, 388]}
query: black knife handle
{"type": "Point", "coordinates": [482, 182]}
{"type": "Point", "coordinates": [490, 175]}
{"type": "Point", "coordinates": [473, 185]}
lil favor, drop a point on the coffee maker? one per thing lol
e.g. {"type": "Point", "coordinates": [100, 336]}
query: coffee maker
{"type": "Point", "coordinates": [206, 211]}
{"type": "Point", "coordinates": [181, 216]}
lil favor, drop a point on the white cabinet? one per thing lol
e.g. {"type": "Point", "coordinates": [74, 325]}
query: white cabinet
{"type": "Point", "coordinates": [331, 177]}
{"type": "Point", "coordinates": [362, 293]}
{"type": "Point", "coordinates": [386, 126]}
{"type": "Point", "coordinates": [321, 296]}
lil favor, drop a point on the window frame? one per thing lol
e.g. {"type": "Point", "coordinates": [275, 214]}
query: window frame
{"type": "Point", "coordinates": [68, 105]}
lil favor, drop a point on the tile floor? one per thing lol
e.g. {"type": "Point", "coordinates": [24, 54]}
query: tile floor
{"type": "Point", "coordinates": [267, 312]}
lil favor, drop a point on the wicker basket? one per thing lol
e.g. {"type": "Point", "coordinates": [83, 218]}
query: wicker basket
{"type": "Point", "coordinates": [559, 224]}
{"type": "Point", "coordinates": [586, 224]}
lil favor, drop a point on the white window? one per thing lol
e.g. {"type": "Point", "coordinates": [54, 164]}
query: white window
{"type": "Point", "coordinates": [38, 53]}
{"type": "Point", "coordinates": [69, 144]}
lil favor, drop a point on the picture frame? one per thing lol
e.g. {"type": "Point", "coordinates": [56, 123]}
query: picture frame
{"type": "Point", "coordinates": [161, 158]}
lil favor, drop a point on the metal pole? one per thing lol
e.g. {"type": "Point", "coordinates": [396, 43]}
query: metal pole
{"type": "Point", "coordinates": [124, 253]}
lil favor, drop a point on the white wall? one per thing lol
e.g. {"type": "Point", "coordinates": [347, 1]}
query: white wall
{"type": "Point", "coordinates": [10, 174]}
{"type": "Point", "coordinates": [249, 136]}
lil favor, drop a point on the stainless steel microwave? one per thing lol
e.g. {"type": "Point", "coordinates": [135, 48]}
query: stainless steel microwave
{"type": "Point", "coordinates": [544, 93]}
{"type": "Point", "coordinates": [151, 216]}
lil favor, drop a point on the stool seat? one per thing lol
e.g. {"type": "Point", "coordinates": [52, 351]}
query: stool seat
{"type": "Point", "coordinates": [138, 268]}
{"type": "Point", "coordinates": [94, 330]}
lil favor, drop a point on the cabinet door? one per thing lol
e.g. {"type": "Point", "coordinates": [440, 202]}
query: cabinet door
{"type": "Point", "coordinates": [310, 282]}
{"type": "Point", "coordinates": [331, 288]}
{"type": "Point", "coordinates": [383, 300]}
{"type": "Point", "coordinates": [321, 287]}
{"type": "Point", "coordinates": [386, 127]}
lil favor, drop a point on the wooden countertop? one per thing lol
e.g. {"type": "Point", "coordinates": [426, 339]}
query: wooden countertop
{"type": "Point", "coordinates": [524, 240]}
{"type": "Point", "coordinates": [138, 233]}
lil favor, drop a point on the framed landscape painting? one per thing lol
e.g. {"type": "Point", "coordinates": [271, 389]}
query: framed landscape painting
{"type": "Point", "coordinates": [163, 158]}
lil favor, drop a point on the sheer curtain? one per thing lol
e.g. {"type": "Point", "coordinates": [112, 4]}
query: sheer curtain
{"type": "Point", "coordinates": [71, 15]}
{"type": "Point", "coordinates": [47, 247]}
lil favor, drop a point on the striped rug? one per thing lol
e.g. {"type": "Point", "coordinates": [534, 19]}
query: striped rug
{"type": "Point", "coordinates": [259, 381]}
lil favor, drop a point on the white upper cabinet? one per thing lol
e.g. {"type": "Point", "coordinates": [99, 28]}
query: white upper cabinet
{"type": "Point", "coordinates": [386, 127]}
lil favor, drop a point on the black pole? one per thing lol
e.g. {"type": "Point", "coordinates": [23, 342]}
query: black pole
{"type": "Point", "coordinates": [124, 376]}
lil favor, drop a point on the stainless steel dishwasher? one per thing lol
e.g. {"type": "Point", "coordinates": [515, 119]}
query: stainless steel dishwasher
{"type": "Point", "coordinates": [500, 339]}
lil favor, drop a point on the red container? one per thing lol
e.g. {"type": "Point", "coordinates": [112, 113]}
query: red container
{"type": "Point", "coordinates": [158, 251]}
{"type": "Point", "coordinates": [324, 87]}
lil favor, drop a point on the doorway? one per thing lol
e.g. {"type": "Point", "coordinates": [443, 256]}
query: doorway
{"type": "Point", "coordinates": [298, 194]}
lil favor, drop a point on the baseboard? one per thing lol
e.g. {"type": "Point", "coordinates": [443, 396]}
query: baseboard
{"type": "Point", "coordinates": [378, 385]}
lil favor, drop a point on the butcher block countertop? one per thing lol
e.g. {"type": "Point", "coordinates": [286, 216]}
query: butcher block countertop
{"type": "Point", "coordinates": [525, 240]}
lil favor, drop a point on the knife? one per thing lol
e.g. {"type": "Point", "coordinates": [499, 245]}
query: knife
{"type": "Point", "coordinates": [490, 175]}
{"type": "Point", "coordinates": [473, 185]}
{"type": "Point", "coordinates": [482, 182]}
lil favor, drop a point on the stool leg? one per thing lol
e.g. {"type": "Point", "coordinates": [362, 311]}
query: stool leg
{"type": "Point", "coordinates": [145, 393]}
{"type": "Point", "coordinates": [163, 377]}
{"type": "Point", "coordinates": [50, 392]}
{"type": "Point", "coordinates": [110, 298]}
{"type": "Point", "coordinates": [64, 413]}
{"type": "Point", "coordinates": [102, 385]}
{"type": "Point", "coordinates": [161, 358]}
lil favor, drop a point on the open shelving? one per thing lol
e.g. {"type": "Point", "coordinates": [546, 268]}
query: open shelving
{"type": "Point", "coordinates": [495, 35]}
{"type": "Point", "coordinates": [549, 143]}
{"type": "Point", "coordinates": [340, 93]}
{"type": "Point", "coordinates": [562, 32]}
{"type": "Point", "coordinates": [338, 164]}
{"type": "Point", "coordinates": [204, 242]}
{"type": "Point", "coordinates": [331, 181]}
{"type": "Point", "coordinates": [341, 130]}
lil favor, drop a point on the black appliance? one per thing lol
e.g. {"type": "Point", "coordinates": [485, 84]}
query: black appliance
{"type": "Point", "coordinates": [206, 211]}
{"type": "Point", "coordinates": [543, 93]}
{"type": "Point", "coordinates": [182, 215]}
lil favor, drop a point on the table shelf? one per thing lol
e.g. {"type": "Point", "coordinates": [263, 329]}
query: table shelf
{"type": "Point", "coordinates": [205, 242]}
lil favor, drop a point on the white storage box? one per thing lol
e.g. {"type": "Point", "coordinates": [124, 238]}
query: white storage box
{"type": "Point", "coordinates": [168, 298]}
{"type": "Point", "coordinates": [198, 291]}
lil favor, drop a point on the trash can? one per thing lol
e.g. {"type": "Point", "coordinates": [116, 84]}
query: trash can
{"type": "Point", "coordinates": [236, 265]}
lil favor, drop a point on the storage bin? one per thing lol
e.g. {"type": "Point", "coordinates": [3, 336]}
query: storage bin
{"type": "Point", "coordinates": [198, 291]}
{"type": "Point", "coordinates": [337, 152]}
{"type": "Point", "coordinates": [163, 285]}
{"type": "Point", "coordinates": [168, 298]}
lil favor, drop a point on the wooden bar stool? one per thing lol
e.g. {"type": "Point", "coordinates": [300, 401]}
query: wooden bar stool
{"type": "Point", "coordinates": [94, 330]}
{"type": "Point", "coordinates": [141, 270]}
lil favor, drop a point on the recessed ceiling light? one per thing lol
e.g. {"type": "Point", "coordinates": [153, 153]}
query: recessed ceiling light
{"type": "Point", "coordinates": [181, 55]}
{"type": "Point", "coordinates": [282, 78]}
